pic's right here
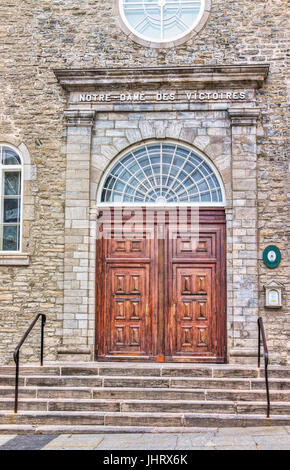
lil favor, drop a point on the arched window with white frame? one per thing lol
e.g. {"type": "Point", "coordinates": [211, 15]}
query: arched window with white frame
{"type": "Point", "coordinates": [11, 199]}
{"type": "Point", "coordinates": [162, 172]}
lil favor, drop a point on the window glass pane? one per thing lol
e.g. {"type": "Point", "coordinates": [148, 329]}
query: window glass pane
{"type": "Point", "coordinates": [202, 186]}
{"type": "Point", "coordinates": [110, 182]}
{"type": "Point", "coordinates": [196, 176]}
{"type": "Point", "coordinates": [9, 157]}
{"type": "Point", "coordinates": [116, 169]}
{"type": "Point", "coordinates": [216, 181]}
{"type": "Point", "coordinates": [130, 190]}
{"type": "Point", "coordinates": [133, 167]}
{"type": "Point", "coordinates": [206, 169]}
{"type": "Point", "coordinates": [11, 237]}
{"type": "Point", "coordinates": [11, 210]}
{"type": "Point", "coordinates": [125, 175]}
{"type": "Point", "coordinates": [206, 197]}
{"type": "Point", "coordinates": [12, 183]}
{"type": "Point", "coordinates": [119, 186]}
{"type": "Point", "coordinates": [214, 196]}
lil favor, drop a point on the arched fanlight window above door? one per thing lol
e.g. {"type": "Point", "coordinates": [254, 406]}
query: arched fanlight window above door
{"type": "Point", "coordinates": [162, 173]}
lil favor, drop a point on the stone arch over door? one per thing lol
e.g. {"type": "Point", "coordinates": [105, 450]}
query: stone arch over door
{"type": "Point", "coordinates": [173, 174]}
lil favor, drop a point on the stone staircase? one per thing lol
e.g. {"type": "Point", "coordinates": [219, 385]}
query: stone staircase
{"type": "Point", "coordinates": [130, 397]}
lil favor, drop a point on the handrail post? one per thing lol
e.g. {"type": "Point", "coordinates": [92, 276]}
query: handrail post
{"type": "Point", "coordinates": [259, 343]}
{"type": "Point", "coordinates": [267, 384]}
{"type": "Point", "coordinates": [16, 382]}
{"type": "Point", "coordinates": [262, 337]}
{"type": "Point", "coordinates": [17, 351]}
{"type": "Point", "coordinates": [43, 320]}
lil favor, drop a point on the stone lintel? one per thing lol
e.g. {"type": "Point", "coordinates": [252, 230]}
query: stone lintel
{"type": "Point", "coordinates": [244, 116]}
{"type": "Point", "coordinates": [183, 77]}
{"type": "Point", "coordinates": [79, 118]}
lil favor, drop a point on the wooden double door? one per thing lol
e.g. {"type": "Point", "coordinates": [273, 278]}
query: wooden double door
{"type": "Point", "coordinates": [161, 296]}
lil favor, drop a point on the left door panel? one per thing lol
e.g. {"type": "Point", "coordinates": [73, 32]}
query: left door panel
{"type": "Point", "coordinates": [126, 313]}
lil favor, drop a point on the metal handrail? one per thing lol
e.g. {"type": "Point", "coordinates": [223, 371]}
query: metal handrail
{"type": "Point", "coordinates": [17, 351]}
{"type": "Point", "coordinates": [262, 334]}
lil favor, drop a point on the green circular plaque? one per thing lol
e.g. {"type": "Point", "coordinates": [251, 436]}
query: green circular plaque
{"type": "Point", "coordinates": [272, 256]}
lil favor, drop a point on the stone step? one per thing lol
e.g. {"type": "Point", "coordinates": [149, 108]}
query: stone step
{"type": "Point", "coordinates": [50, 392]}
{"type": "Point", "coordinates": [226, 421]}
{"type": "Point", "coordinates": [244, 395]}
{"type": "Point", "coordinates": [61, 405]}
{"type": "Point", "coordinates": [143, 370]}
{"type": "Point", "coordinates": [81, 418]}
{"type": "Point", "coordinates": [147, 393]}
{"type": "Point", "coordinates": [52, 381]}
{"type": "Point", "coordinates": [29, 370]}
{"type": "Point", "coordinates": [184, 394]}
{"type": "Point", "coordinates": [274, 384]}
{"type": "Point", "coordinates": [14, 429]}
{"type": "Point", "coordinates": [136, 406]}
{"type": "Point", "coordinates": [166, 406]}
{"type": "Point", "coordinates": [195, 383]}
{"type": "Point", "coordinates": [10, 380]}
{"type": "Point", "coordinates": [147, 382]}
{"type": "Point", "coordinates": [24, 392]}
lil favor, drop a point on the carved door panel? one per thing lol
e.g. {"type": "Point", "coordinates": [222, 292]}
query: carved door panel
{"type": "Point", "coordinates": [193, 322]}
{"type": "Point", "coordinates": [127, 307]}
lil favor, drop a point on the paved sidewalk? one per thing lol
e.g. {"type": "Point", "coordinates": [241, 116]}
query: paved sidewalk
{"type": "Point", "coordinates": [269, 438]}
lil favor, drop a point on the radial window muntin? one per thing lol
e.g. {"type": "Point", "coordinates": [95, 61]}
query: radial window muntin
{"type": "Point", "coordinates": [161, 173]}
{"type": "Point", "coordinates": [162, 23]}
{"type": "Point", "coordinates": [11, 200]}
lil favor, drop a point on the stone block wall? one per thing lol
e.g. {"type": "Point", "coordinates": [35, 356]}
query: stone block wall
{"type": "Point", "coordinates": [35, 38]}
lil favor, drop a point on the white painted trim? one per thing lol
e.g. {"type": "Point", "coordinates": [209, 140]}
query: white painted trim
{"type": "Point", "coordinates": [183, 37]}
{"type": "Point", "coordinates": [11, 168]}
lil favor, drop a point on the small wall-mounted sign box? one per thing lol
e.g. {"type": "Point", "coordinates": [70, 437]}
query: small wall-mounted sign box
{"type": "Point", "coordinates": [273, 294]}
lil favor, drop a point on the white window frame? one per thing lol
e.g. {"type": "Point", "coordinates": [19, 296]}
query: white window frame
{"type": "Point", "coordinates": [3, 169]}
{"type": "Point", "coordinates": [196, 27]}
{"type": "Point", "coordinates": [168, 204]}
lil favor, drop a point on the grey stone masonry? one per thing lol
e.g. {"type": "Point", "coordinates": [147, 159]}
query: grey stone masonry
{"type": "Point", "coordinates": [244, 232]}
{"type": "Point", "coordinates": [75, 313]}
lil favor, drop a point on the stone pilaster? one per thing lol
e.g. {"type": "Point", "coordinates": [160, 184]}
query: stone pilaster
{"type": "Point", "coordinates": [75, 315]}
{"type": "Point", "coordinates": [245, 239]}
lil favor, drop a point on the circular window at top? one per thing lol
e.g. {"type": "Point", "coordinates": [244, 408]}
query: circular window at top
{"type": "Point", "coordinates": [162, 23]}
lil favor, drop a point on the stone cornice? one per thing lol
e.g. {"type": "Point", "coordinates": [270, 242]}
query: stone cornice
{"type": "Point", "coordinates": [244, 116]}
{"type": "Point", "coordinates": [198, 77]}
{"type": "Point", "coordinates": [79, 118]}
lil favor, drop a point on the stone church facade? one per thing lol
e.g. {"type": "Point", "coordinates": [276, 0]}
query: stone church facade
{"type": "Point", "coordinates": [81, 91]}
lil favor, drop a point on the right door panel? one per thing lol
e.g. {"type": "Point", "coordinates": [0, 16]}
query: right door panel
{"type": "Point", "coordinates": [196, 291]}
